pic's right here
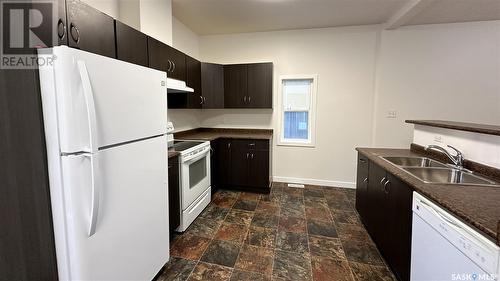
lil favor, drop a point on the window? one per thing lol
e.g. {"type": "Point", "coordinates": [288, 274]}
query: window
{"type": "Point", "coordinates": [298, 106]}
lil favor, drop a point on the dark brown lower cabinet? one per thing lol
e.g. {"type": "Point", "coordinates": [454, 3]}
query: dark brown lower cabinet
{"type": "Point", "coordinates": [384, 203]}
{"type": "Point", "coordinates": [174, 208]}
{"type": "Point", "coordinates": [27, 249]}
{"type": "Point", "coordinates": [243, 164]}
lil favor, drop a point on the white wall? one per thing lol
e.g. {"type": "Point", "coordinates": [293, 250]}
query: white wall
{"type": "Point", "coordinates": [343, 58]}
{"type": "Point", "coordinates": [156, 19]}
{"type": "Point", "coordinates": [442, 71]}
{"type": "Point", "coordinates": [129, 13]}
{"type": "Point", "coordinates": [185, 39]}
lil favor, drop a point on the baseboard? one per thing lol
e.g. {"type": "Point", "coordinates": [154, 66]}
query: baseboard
{"type": "Point", "coordinates": [343, 184]}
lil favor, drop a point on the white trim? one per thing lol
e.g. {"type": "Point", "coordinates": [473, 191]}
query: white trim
{"type": "Point", "coordinates": [311, 142]}
{"type": "Point", "coordinates": [343, 184]}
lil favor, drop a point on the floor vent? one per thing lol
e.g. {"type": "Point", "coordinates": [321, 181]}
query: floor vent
{"type": "Point", "coordinates": [296, 185]}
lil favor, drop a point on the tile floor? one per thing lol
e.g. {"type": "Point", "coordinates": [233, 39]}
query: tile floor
{"type": "Point", "coordinates": [289, 234]}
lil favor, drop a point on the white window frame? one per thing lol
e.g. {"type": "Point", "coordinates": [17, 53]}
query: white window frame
{"type": "Point", "coordinates": [311, 141]}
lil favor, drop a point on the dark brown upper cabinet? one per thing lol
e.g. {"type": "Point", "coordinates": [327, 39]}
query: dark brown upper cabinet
{"type": "Point", "coordinates": [248, 85]}
{"type": "Point", "coordinates": [235, 85]}
{"type": "Point", "coordinates": [131, 44]}
{"type": "Point", "coordinates": [260, 85]}
{"type": "Point", "coordinates": [90, 30]}
{"type": "Point", "coordinates": [61, 27]}
{"type": "Point", "coordinates": [178, 64]}
{"type": "Point", "coordinates": [212, 85]}
{"type": "Point", "coordinates": [158, 55]}
{"type": "Point", "coordinates": [193, 80]}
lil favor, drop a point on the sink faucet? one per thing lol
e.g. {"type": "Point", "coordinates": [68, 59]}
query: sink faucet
{"type": "Point", "coordinates": [457, 160]}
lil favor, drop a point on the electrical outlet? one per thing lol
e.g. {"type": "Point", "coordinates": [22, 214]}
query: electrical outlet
{"type": "Point", "coordinates": [438, 138]}
{"type": "Point", "coordinates": [391, 114]}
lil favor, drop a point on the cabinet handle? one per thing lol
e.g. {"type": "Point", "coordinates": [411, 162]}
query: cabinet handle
{"type": "Point", "coordinates": [174, 66]}
{"type": "Point", "coordinates": [387, 183]}
{"type": "Point", "coordinates": [248, 154]}
{"type": "Point", "coordinates": [61, 29]}
{"type": "Point", "coordinates": [252, 156]}
{"type": "Point", "coordinates": [245, 99]}
{"type": "Point", "coordinates": [169, 66]}
{"type": "Point", "coordinates": [75, 33]}
{"type": "Point", "coordinates": [362, 160]}
{"type": "Point", "coordinates": [201, 100]}
{"type": "Point", "coordinates": [251, 144]}
{"type": "Point", "coordinates": [249, 99]}
{"type": "Point", "coordinates": [228, 145]}
{"type": "Point", "coordinates": [382, 181]}
{"type": "Point", "coordinates": [365, 180]}
{"type": "Point", "coordinates": [204, 99]}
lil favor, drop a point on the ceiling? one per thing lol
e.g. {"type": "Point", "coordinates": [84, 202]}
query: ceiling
{"type": "Point", "coordinates": [207, 17]}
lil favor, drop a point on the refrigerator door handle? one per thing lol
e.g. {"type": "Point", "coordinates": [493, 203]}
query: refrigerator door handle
{"type": "Point", "coordinates": [89, 102]}
{"type": "Point", "coordinates": [94, 210]}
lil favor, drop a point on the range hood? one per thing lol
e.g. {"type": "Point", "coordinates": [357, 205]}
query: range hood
{"type": "Point", "coordinates": [177, 86]}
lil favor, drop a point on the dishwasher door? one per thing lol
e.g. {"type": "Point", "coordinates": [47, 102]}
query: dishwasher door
{"type": "Point", "coordinates": [444, 248]}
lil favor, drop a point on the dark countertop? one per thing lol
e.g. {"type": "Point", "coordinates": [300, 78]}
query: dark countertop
{"type": "Point", "coordinates": [478, 206]}
{"type": "Point", "coordinates": [469, 127]}
{"type": "Point", "coordinates": [172, 153]}
{"type": "Point", "coordinates": [210, 134]}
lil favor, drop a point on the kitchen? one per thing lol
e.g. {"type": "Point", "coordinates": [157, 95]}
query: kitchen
{"type": "Point", "coordinates": [269, 89]}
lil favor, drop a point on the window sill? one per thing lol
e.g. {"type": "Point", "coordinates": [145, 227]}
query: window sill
{"type": "Point", "coordinates": [297, 144]}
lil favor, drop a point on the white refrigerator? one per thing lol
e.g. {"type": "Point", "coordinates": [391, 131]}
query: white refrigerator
{"type": "Point", "coordinates": [105, 124]}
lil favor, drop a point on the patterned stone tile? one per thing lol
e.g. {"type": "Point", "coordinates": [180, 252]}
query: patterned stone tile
{"type": "Point", "coordinates": [292, 266]}
{"type": "Point", "coordinates": [224, 202]}
{"type": "Point", "coordinates": [293, 209]}
{"type": "Point", "coordinates": [249, 196]}
{"type": "Point", "coordinates": [361, 252]}
{"type": "Point", "coordinates": [177, 269]}
{"type": "Point", "coordinates": [296, 192]}
{"type": "Point", "coordinates": [261, 237]}
{"type": "Point", "coordinates": [325, 269]}
{"type": "Point", "coordinates": [239, 217]}
{"type": "Point", "coordinates": [340, 203]}
{"type": "Point", "coordinates": [265, 220]}
{"type": "Point", "coordinates": [189, 247]}
{"type": "Point", "coordinates": [203, 227]}
{"type": "Point", "coordinates": [308, 192]}
{"type": "Point", "coordinates": [213, 212]}
{"type": "Point", "coordinates": [239, 275]}
{"type": "Point", "coordinates": [366, 272]}
{"type": "Point", "coordinates": [205, 271]}
{"type": "Point", "coordinates": [271, 197]}
{"type": "Point", "coordinates": [292, 224]}
{"type": "Point", "coordinates": [292, 242]}
{"type": "Point", "coordinates": [221, 253]}
{"type": "Point", "coordinates": [326, 247]}
{"type": "Point", "coordinates": [255, 259]}
{"type": "Point", "coordinates": [349, 217]}
{"type": "Point", "coordinates": [321, 228]}
{"type": "Point", "coordinates": [351, 194]}
{"type": "Point", "coordinates": [352, 232]}
{"type": "Point", "coordinates": [247, 205]}
{"type": "Point", "coordinates": [290, 198]}
{"type": "Point", "coordinates": [232, 232]}
{"type": "Point", "coordinates": [268, 207]}
{"type": "Point", "coordinates": [315, 202]}
{"type": "Point", "coordinates": [318, 213]}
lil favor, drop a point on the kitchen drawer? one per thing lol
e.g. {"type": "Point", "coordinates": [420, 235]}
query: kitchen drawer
{"type": "Point", "coordinates": [252, 144]}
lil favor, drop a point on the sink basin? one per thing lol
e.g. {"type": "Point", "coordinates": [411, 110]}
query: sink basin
{"type": "Point", "coordinates": [414, 162]}
{"type": "Point", "coordinates": [448, 176]}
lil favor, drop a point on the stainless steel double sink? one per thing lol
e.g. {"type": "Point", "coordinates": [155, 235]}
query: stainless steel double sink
{"type": "Point", "coordinates": [432, 171]}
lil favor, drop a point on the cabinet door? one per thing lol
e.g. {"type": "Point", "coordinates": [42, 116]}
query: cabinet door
{"type": "Point", "coordinates": [235, 86]}
{"type": "Point", "coordinates": [158, 55]}
{"type": "Point", "coordinates": [62, 27]}
{"type": "Point", "coordinates": [173, 193]}
{"type": "Point", "coordinates": [193, 80]}
{"type": "Point", "coordinates": [240, 157]}
{"type": "Point", "coordinates": [375, 221]}
{"type": "Point", "coordinates": [131, 44]}
{"type": "Point", "coordinates": [362, 186]}
{"type": "Point", "coordinates": [224, 167]}
{"type": "Point", "coordinates": [178, 60]}
{"type": "Point", "coordinates": [212, 85]}
{"type": "Point", "coordinates": [260, 85]}
{"type": "Point", "coordinates": [90, 30]}
{"type": "Point", "coordinates": [214, 169]}
{"type": "Point", "coordinates": [401, 202]}
{"type": "Point", "coordinates": [258, 170]}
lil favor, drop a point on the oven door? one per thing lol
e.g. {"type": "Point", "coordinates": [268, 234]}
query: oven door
{"type": "Point", "coordinates": [195, 176]}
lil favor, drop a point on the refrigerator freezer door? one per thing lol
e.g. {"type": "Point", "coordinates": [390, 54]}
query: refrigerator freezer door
{"type": "Point", "coordinates": [103, 101]}
{"type": "Point", "coordinates": [131, 237]}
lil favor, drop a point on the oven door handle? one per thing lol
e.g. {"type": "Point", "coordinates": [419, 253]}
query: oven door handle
{"type": "Point", "coordinates": [197, 157]}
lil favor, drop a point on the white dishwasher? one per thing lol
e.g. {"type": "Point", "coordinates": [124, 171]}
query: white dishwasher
{"type": "Point", "coordinates": [444, 248]}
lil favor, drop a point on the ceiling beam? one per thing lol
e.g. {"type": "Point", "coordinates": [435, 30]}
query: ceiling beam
{"type": "Point", "coordinates": [403, 15]}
